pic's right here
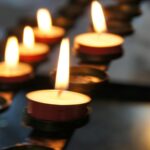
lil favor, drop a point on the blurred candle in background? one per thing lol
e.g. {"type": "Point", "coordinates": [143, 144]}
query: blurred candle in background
{"type": "Point", "coordinates": [98, 44]}
{"type": "Point", "coordinates": [31, 51]}
{"type": "Point", "coordinates": [11, 70]}
{"type": "Point", "coordinates": [46, 32]}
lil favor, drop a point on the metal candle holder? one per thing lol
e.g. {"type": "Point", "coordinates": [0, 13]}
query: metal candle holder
{"type": "Point", "coordinates": [122, 12]}
{"type": "Point", "coordinates": [85, 86]}
{"type": "Point", "coordinates": [120, 27]}
{"type": "Point", "coordinates": [52, 134]}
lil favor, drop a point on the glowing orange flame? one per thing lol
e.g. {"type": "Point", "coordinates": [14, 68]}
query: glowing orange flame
{"type": "Point", "coordinates": [12, 52]}
{"type": "Point", "coordinates": [98, 18]}
{"type": "Point", "coordinates": [44, 20]}
{"type": "Point", "coordinates": [28, 37]}
{"type": "Point", "coordinates": [62, 76]}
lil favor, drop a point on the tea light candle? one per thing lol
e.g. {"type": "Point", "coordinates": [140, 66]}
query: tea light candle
{"type": "Point", "coordinates": [46, 32]}
{"type": "Point", "coordinates": [99, 42]}
{"type": "Point", "coordinates": [93, 43]}
{"type": "Point", "coordinates": [11, 71]}
{"type": "Point", "coordinates": [49, 105]}
{"type": "Point", "coordinates": [30, 51]}
{"type": "Point", "coordinates": [58, 105]}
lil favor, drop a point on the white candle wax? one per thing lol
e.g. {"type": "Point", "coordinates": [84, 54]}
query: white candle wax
{"type": "Point", "coordinates": [37, 49]}
{"type": "Point", "coordinates": [53, 97]}
{"type": "Point", "coordinates": [20, 70]}
{"type": "Point", "coordinates": [54, 32]}
{"type": "Point", "coordinates": [99, 40]}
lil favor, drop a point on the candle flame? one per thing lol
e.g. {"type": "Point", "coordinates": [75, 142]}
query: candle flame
{"type": "Point", "coordinates": [62, 76]}
{"type": "Point", "coordinates": [98, 18]}
{"type": "Point", "coordinates": [12, 52]}
{"type": "Point", "coordinates": [28, 37]}
{"type": "Point", "coordinates": [44, 20]}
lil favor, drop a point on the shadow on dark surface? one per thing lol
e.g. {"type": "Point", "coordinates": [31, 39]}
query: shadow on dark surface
{"type": "Point", "coordinates": [111, 91]}
{"type": "Point", "coordinates": [113, 125]}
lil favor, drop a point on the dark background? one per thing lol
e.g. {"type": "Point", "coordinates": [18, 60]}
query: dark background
{"type": "Point", "coordinates": [119, 123]}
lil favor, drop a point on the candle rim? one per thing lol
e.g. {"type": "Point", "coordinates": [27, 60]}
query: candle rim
{"type": "Point", "coordinates": [36, 43]}
{"type": "Point", "coordinates": [61, 32]}
{"type": "Point", "coordinates": [28, 96]}
{"type": "Point", "coordinates": [27, 71]}
{"type": "Point", "coordinates": [39, 48]}
{"type": "Point", "coordinates": [94, 33]}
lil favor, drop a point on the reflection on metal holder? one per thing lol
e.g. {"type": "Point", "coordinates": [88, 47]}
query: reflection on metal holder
{"type": "Point", "coordinates": [50, 128]}
{"type": "Point", "coordinates": [15, 83]}
{"type": "Point", "coordinates": [97, 59]}
{"type": "Point", "coordinates": [85, 79]}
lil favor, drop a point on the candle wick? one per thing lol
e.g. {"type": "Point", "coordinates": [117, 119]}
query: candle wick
{"type": "Point", "coordinates": [98, 35]}
{"type": "Point", "coordinates": [59, 92]}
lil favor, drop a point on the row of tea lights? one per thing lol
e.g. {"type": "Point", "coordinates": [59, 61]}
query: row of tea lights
{"type": "Point", "coordinates": [58, 104]}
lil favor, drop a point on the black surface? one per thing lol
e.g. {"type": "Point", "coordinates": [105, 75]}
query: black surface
{"type": "Point", "coordinates": [3, 104]}
{"type": "Point", "coordinates": [120, 92]}
{"type": "Point", "coordinates": [53, 126]}
{"type": "Point", "coordinates": [27, 147]}
{"type": "Point", "coordinates": [114, 125]}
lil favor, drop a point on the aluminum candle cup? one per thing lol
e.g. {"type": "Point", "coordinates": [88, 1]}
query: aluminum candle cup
{"type": "Point", "coordinates": [52, 37]}
{"type": "Point", "coordinates": [94, 47]}
{"type": "Point", "coordinates": [37, 54]}
{"type": "Point", "coordinates": [86, 79]}
{"type": "Point", "coordinates": [21, 73]}
{"type": "Point", "coordinates": [97, 60]}
{"type": "Point", "coordinates": [55, 105]}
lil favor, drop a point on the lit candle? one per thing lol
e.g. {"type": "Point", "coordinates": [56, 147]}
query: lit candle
{"type": "Point", "coordinates": [59, 104]}
{"type": "Point", "coordinates": [46, 32]}
{"type": "Point", "coordinates": [99, 42]}
{"type": "Point", "coordinates": [11, 71]}
{"type": "Point", "coordinates": [31, 51]}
